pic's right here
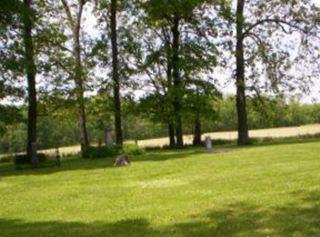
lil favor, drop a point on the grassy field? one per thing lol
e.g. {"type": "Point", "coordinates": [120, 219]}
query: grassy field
{"type": "Point", "coordinates": [255, 191]}
{"type": "Point", "coordinates": [232, 135]}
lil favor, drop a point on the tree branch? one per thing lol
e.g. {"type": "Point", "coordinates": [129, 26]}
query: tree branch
{"type": "Point", "coordinates": [292, 24]}
{"type": "Point", "coordinates": [68, 12]}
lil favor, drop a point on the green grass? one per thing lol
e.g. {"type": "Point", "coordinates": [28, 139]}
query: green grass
{"type": "Point", "coordinates": [254, 191]}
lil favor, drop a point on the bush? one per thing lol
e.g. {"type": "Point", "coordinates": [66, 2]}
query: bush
{"type": "Point", "coordinates": [92, 152]}
{"type": "Point", "coordinates": [132, 149]}
{"type": "Point", "coordinates": [101, 152]}
{"type": "Point", "coordinates": [24, 159]}
{"type": "Point", "coordinates": [6, 159]}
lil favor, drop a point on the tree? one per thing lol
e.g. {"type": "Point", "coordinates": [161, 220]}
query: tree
{"type": "Point", "coordinates": [11, 52]}
{"type": "Point", "coordinates": [119, 42]}
{"type": "Point", "coordinates": [200, 105]}
{"type": "Point", "coordinates": [30, 68]}
{"type": "Point", "coordinates": [243, 134]}
{"type": "Point", "coordinates": [266, 21]}
{"type": "Point", "coordinates": [75, 27]}
{"type": "Point", "coordinates": [23, 41]}
{"type": "Point", "coordinates": [177, 16]}
{"type": "Point", "coordinates": [115, 72]}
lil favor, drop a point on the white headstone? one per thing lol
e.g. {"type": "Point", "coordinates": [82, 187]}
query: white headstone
{"type": "Point", "coordinates": [208, 143]}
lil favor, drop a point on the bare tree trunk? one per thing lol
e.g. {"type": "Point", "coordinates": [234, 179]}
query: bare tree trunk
{"type": "Point", "coordinates": [171, 133]}
{"type": "Point", "coordinates": [80, 93]}
{"type": "Point", "coordinates": [243, 134]}
{"type": "Point", "coordinates": [115, 74]}
{"type": "Point", "coordinates": [177, 80]}
{"type": "Point", "coordinates": [197, 131]}
{"type": "Point", "coordinates": [75, 24]}
{"type": "Point", "coordinates": [172, 140]}
{"type": "Point", "coordinates": [31, 71]}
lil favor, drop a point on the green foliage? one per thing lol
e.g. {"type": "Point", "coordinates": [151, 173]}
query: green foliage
{"type": "Point", "coordinates": [9, 115]}
{"type": "Point", "coordinates": [24, 159]}
{"type": "Point", "coordinates": [266, 112]}
{"type": "Point", "coordinates": [92, 152]}
{"type": "Point", "coordinates": [133, 149]}
{"type": "Point", "coordinates": [101, 152]}
{"type": "Point", "coordinates": [147, 119]}
{"type": "Point", "coordinates": [6, 159]}
{"type": "Point", "coordinates": [145, 46]}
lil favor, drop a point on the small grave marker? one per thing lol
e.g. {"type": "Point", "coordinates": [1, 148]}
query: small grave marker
{"type": "Point", "coordinates": [208, 143]}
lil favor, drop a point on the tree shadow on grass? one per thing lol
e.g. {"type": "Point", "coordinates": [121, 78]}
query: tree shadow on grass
{"type": "Point", "coordinates": [86, 164]}
{"type": "Point", "coordinates": [132, 228]}
{"type": "Point", "coordinates": [300, 218]}
{"type": "Point", "coordinates": [152, 156]}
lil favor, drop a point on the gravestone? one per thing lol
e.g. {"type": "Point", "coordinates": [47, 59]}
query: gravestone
{"type": "Point", "coordinates": [108, 136]}
{"type": "Point", "coordinates": [208, 143]}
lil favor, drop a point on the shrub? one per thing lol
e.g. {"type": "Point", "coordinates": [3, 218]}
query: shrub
{"type": "Point", "coordinates": [101, 152]}
{"type": "Point", "coordinates": [92, 152]}
{"type": "Point", "coordinates": [24, 159]}
{"type": "Point", "coordinates": [132, 149]}
{"type": "Point", "coordinates": [6, 159]}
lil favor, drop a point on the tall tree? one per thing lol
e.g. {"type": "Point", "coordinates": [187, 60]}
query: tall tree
{"type": "Point", "coordinates": [75, 27]}
{"type": "Point", "coordinates": [30, 69]}
{"type": "Point", "coordinates": [177, 51]}
{"type": "Point", "coordinates": [243, 134]}
{"type": "Point", "coordinates": [158, 67]}
{"type": "Point", "coordinates": [115, 72]}
{"type": "Point", "coordinates": [173, 14]}
{"type": "Point", "coordinates": [256, 30]}
{"type": "Point", "coordinates": [177, 77]}
{"type": "Point", "coordinates": [114, 50]}
{"type": "Point", "coordinates": [23, 32]}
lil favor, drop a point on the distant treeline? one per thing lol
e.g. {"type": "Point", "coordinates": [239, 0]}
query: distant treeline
{"type": "Point", "coordinates": [61, 128]}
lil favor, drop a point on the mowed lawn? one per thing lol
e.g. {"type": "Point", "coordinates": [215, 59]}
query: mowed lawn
{"type": "Point", "coordinates": [255, 191]}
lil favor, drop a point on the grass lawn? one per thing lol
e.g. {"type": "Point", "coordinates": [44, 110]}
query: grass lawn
{"type": "Point", "coordinates": [256, 191]}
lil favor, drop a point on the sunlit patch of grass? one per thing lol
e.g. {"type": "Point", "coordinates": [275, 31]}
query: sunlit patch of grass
{"type": "Point", "coordinates": [254, 191]}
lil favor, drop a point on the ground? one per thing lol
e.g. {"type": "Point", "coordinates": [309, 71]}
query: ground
{"type": "Point", "coordinates": [254, 191]}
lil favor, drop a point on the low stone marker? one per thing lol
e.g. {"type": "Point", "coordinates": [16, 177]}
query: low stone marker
{"type": "Point", "coordinates": [208, 143]}
{"type": "Point", "coordinates": [122, 160]}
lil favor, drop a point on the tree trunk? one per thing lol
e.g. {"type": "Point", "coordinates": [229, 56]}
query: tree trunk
{"type": "Point", "coordinates": [79, 88]}
{"type": "Point", "coordinates": [197, 131]}
{"type": "Point", "coordinates": [172, 140]}
{"type": "Point", "coordinates": [115, 73]}
{"type": "Point", "coordinates": [171, 133]}
{"type": "Point", "coordinates": [30, 68]}
{"type": "Point", "coordinates": [75, 25]}
{"type": "Point", "coordinates": [177, 80]}
{"type": "Point", "coordinates": [243, 134]}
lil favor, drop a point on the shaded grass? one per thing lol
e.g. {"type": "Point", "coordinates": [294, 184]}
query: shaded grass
{"type": "Point", "coordinates": [252, 191]}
